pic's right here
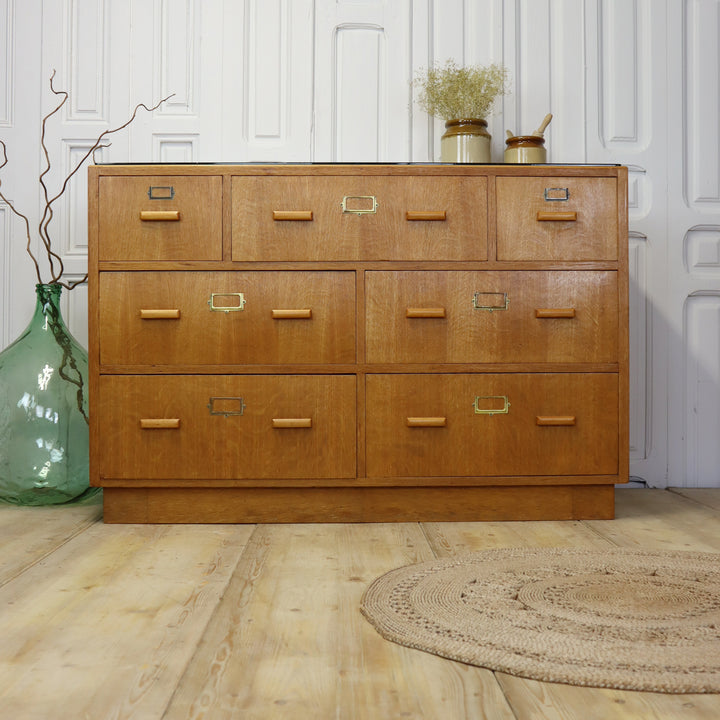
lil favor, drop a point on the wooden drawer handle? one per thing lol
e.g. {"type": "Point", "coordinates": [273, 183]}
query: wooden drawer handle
{"type": "Point", "coordinates": [280, 423]}
{"type": "Point", "coordinates": [292, 314]}
{"type": "Point", "coordinates": [555, 420]}
{"type": "Point", "coordinates": [426, 422]}
{"type": "Point", "coordinates": [159, 215]}
{"type": "Point", "coordinates": [554, 312]}
{"type": "Point", "coordinates": [159, 314]}
{"type": "Point", "coordinates": [159, 423]}
{"type": "Point", "coordinates": [426, 215]}
{"type": "Point", "coordinates": [556, 216]}
{"type": "Point", "coordinates": [436, 312]}
{"type": "Point", "coordinates": [301, 215]}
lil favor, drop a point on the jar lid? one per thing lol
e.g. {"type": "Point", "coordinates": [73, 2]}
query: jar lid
{"type": "Point", "coordinates": [525, 141]}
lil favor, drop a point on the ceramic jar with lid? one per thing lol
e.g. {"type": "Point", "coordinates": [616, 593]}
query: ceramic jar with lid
{"type": "Point", "coordinates": [525, 149]}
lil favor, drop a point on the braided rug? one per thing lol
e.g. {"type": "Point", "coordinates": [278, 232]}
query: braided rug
{"type": "Point", "coordinates": [626, 619]}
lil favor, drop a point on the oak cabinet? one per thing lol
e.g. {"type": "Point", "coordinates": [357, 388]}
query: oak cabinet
{"type": "Point", "coordinates": [291, 343]}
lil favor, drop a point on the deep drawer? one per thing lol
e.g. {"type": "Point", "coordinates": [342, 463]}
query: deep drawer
{"type": "Point", "coordinates": [226, 427]}
{"type": "Point", "coordinates": [453, 316]}
{"type": "Point", "coordinates": [359, 218]}
{"type": "Point", "coordinates": [160, 218]}
{"type": "Point", "coordinates": [486, 425]}
{"type": "Point", "coordinates": [200, 318]}
{"type": "Point", "coordinates": [558, 218]}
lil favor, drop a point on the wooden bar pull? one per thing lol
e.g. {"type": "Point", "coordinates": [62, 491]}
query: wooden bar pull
{"type": "Point", "coordinates": [280, 423]}
{"type": "Point", "coordinates": [292, 314]}
{"type": "Point", "coordinates": [543, 216]}
{"type": "Point", "coordinates": [436, 312]}
{"type": "Point", "coordinates": [555, 420]}
{"type": "Point", "coordinates": [426, 422]}
{"type": "Point", "coordinates": [160, 314]}
{"type": "Point", "coordinates": [159, 215]}
{"type": "Point", "coordinates": [554, 312]}
{"type": "Point", "coordinates": [298, 215]}
{"type": "Point", "coordinates": [428, 215]}
{"type": "Point", "coordinates": [159, 423]}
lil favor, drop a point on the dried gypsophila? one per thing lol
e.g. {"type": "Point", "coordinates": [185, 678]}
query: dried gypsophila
{"type": "Point", "coordinates": [451, 92]}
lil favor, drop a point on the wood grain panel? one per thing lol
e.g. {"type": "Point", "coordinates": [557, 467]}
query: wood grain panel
{"type": "Point", "coordinates": [333, 234]}
{"type": "Point", "coordinates": [467, 334]}
{"type": "Point", "coordinates": [196, 236]}
{"type": "Point", "coordinates": [239, 442]}
{"type": "Point", "coordinates": [592, 235]}
{"type": "Point", "coordinates": [261, 333]}
{"type": "Point", "coordinates": [492, 443]}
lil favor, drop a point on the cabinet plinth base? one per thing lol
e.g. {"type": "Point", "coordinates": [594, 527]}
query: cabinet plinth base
{"type": "Point", "coordinates": [358, 504]}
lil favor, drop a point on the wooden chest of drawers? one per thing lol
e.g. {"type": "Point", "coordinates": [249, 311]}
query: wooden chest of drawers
{"type": "Point", "coordinates": [292, 343]}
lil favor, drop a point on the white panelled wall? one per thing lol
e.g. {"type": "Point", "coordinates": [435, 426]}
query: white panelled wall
{"type": "Point", "coordinates": [635, 82]}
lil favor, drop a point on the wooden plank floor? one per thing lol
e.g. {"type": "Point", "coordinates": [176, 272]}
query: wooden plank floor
{"type": "Point", "coordinates": [261, 622]}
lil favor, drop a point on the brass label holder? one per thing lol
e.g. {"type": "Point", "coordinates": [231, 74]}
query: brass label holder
{"type": "Point", "coordinates": [227, 308]}
{"type": "Point", "coordinates": [226, 406]}
{"type": "Point", "coordinates": [370, 210]}
{"type": "Point", "coordinates": [557, 194]}
{"type": "Point", "coordinates": [502, 410]}
{"type": "Point", "coordinates": [479, 303]}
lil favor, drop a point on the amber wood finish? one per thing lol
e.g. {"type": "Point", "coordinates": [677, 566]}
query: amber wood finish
{"type": "Point", "coordinates": [238, 440]}
{"type": "Point", "coordinates": [311, 343]}
{"type": "Point", "coordinates": [492, 443]}
{"type": "Point", "coordinates": [192, 231]}
{"type": "Point", "coordinates": [381, 235]}
{"type": "Point", "coordinates": [591, 235]}
{"type": "Point", "coordinates": [324, 300]}
{"type": "Point", "coordinates": [466, 334]}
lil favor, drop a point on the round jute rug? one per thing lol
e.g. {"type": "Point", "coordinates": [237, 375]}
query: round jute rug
{"type": "Point", "coordinates": [626, 619]}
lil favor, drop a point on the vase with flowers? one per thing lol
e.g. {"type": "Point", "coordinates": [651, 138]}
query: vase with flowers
{"type": "Point", "coordinates": [43, 374]}
{"type": "Point", "coordinates": [464, 98]}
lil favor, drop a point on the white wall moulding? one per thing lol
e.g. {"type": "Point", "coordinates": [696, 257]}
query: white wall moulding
{"type": "Point", "coordinates": [640, 342]}
{"type": "Point", "coordinates": [625, 64]}
{"type": "Point", "coordinates": [88, 38]}
{"type": "Point", "coordinates": [702, 90]}
{"type": "Point", "coordinates": [360, 109]}
{"type": "Point", "coordinates": [639, 192]}
{"type": "Point", "coordinates": [7, 73]}
{"type": "Point", "coordinates": [701, 251]}
{"type": "Point", "coordinates": [182, 148]}
{"type": "Point", "coordinates": [177, 26]}
{"type": "Point", "coordinates": [5, 269]}
{"type": "Point", "coordinates": [702, 388]}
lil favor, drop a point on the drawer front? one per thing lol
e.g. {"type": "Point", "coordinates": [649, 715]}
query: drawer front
{"type": "Point", "coordinates": [195, 427]}
{"type": "Point", "coordinates": [487, 316]}
{"type": "Point", "coordinates": [485, 425]}
{"type": "Point", "coordinates": [196, 318]}
{"type": "Point", "coordinates": [560, 218]}
{"type": "Point", "coordinates": [160, 218]}
{"type": "Point", "coordinates": [359, 218]}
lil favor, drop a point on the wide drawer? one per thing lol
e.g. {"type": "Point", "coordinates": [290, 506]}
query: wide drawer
{"type": "Point", "coordinates": [492, 425]}
{"type": "Point", "coordinates": [227, 317]}
{"type": "Point", "coordinates": [359, 218]}
{"type": "Point", "coordinates": [489, 316]}
{"type": "Point", "coordinates": [557, 218]}
{"type": "Point", "coordinates": [160, 218]}
{"type": "Point", "coordinates": [226, 427]}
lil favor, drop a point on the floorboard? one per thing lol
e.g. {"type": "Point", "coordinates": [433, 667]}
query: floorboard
{"type": "Point", "coordinates": [242, 621]}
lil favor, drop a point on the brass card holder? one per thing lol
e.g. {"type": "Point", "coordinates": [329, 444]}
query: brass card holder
{"type": "Point", "coordinates": [498, 405]}
{"type": "Point", "coordinates": [368, 204]}
{"type": "Point", "coordinates": [239, 307]}
{"type": "Point", "coordinates": [226, 406]}
{"type": "Point", "coordinates": [490, 301]}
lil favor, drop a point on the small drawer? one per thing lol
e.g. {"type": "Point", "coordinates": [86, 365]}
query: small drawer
{"type": "Point", "coordinates": [359, 218]}
{"type": "Point", "coordinates": [226, 427]}
{"type": "Point", "coordinates": [226, 318]}
{"type": "Point", "coordinates": [557, 218]}
{"type": "Point", "coordinates": [160, 218]}
{"type": "Point", "coordinates": [494, 424]}
{"type": "Point", "coordinates": [491, 316]}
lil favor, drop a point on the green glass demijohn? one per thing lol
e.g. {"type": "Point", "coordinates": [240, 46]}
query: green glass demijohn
{"type": "Point", "coordinates": [43, 410]}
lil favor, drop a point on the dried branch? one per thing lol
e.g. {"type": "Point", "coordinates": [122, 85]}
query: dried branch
{"type": "Point", "coordinates": [56, 264]}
